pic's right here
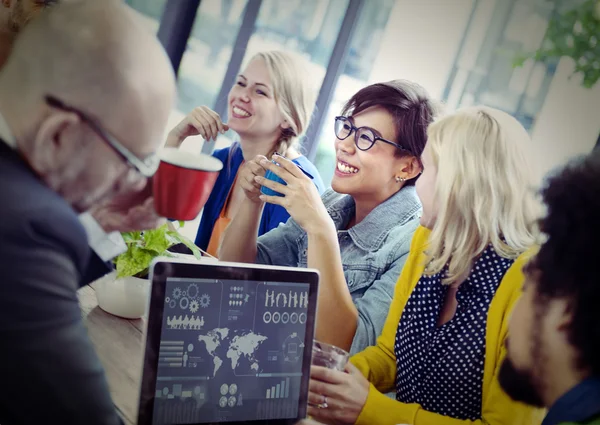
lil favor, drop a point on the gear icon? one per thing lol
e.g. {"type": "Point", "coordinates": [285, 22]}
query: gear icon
{"type": "Point", "coordinates": [204, 300]}
{"type": "Point", "coordinates": [194, 306]}
{"type": "Point", "coordinates": [193, 291]}
{"type": "Point", "coordinates": [177, 293]}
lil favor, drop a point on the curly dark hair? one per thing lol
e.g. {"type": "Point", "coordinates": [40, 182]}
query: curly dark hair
{"type": "Point", "coordinates": [568, 260]}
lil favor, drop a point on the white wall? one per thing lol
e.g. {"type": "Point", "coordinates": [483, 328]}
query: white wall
{"type": "Point", "coordinates": [569, 123]}
{"type": "Point", "coordinates": [420, 42]}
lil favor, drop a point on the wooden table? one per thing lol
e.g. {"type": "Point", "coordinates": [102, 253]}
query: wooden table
{"type": "Point", "coordinates": [118, 343]}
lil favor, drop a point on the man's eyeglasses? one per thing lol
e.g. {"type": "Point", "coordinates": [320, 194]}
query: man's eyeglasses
{"type": "Point", "coordinates": [146, 167]}
{"type": "Point", "coordinates": [364, 137]}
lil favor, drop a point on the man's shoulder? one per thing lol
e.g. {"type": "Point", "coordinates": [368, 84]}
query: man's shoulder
{"type": "Point", "coordinates": [24, 196]}
{"type": "Point", "coordinates": [592, 421]}
{"type": "Point", "coordinates": [33, 214]}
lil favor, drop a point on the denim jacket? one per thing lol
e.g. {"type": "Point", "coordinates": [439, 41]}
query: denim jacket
{"type": "Point", "coordinates": [373, 253]}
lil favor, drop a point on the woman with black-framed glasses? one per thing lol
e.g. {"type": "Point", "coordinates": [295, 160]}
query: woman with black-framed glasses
{"type": "Point", "coordinates": [358, 234]}
{"type": "Point", "coordinates": [364, 137]}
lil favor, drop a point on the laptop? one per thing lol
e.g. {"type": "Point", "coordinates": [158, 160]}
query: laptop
{"type": "Point", "coordinates": [227, 343]}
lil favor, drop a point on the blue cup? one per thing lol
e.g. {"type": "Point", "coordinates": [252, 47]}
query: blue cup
{"type": "Point", "coordinates": [274, 177]}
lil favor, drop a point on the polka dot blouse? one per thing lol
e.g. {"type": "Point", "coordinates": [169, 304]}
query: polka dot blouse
{"type": "Point", "coordinates": [441, 367]}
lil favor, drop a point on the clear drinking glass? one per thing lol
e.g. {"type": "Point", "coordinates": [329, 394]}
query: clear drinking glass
{"type": "Point", "coordinates": [329, 356]}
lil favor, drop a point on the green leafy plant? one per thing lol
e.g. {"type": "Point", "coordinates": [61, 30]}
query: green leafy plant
{"type": "Point", "coordinates": [143, 247]}
{"type": "Point", "coordinates": [574, 33]}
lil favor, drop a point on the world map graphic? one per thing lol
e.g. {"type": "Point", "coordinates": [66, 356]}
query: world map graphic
{"type": "Point", "coordinates": [235, 348]}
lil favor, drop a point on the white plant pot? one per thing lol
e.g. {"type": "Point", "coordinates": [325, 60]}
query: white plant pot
{"type": "Point", "coordinates": [126, 297]}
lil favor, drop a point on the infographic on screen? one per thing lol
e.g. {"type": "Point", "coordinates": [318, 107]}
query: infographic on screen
{"type": "Point", "coordinates": [230, 351]}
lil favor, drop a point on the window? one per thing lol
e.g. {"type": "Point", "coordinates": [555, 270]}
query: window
{"type": "Point", "coordinates": [209, 50]}
{"type": "Point", "coordinates": [484, 72]}
{"type": "Point", "coordinates": [308, 28]}
{"type": "Point", "coordinates": [151, 9]}
{"type": "Point", "coordinates": [364, 47]}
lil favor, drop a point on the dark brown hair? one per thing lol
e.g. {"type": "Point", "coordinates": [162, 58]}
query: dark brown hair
{"type": "Point", "coordinates": [411, 107]}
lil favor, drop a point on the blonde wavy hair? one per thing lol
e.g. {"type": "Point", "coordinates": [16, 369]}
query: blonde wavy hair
{"type": "Point", "coordinates": [293, 93]}
{"type": "Point", "coordinates": [484, 189]}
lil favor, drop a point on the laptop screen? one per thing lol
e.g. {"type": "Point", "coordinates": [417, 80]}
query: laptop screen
{"type": "Point", "coordinates": [230, 350]}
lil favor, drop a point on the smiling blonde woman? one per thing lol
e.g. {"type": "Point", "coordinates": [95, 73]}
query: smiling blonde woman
{"type": "Point", "coordinates": [443, 341]}
{"type": "Point", "coordinates": [269, 107]}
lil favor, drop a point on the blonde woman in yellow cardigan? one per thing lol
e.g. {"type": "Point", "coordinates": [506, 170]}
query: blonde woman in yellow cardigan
{"type": "Point", "coordinates": [443, 341]}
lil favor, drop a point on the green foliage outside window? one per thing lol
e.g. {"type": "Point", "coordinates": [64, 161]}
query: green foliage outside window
{"type": "Point", "coordinates": [574, 33]}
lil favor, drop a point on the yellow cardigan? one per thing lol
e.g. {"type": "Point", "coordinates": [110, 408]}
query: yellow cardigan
{"type": "Point", "coordinates": [378, 363]}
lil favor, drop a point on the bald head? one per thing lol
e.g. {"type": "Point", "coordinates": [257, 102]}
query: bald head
{"type": "Point", "coordinates": [98, 57]}
{"type": "Point", "coordinates": [95, 54]}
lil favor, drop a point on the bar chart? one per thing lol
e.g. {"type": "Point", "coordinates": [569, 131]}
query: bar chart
{"type": "Point", "coordinates": [171, 354]}
{"type": "Point", "coordinates": [281, 390]}
{"type": "Point", "coordinates": [277, 409]}
{"type": "Point", "coordinates": [167, 412]}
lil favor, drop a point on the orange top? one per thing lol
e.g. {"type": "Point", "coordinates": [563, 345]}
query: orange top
{"type": "Point", "coordinates": [220, 225]}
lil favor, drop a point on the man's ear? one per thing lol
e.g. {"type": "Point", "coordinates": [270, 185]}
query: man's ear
{"type": "Point", "coordinates": [54, 142]}
{"type": "Point", "coordinates": [558, 315]}
{"type": "Point", "coordinates": [564, 313]}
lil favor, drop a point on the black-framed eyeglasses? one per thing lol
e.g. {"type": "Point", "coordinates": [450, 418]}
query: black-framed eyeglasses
{"type": "Point", "coordinates": [146, 167]}
{"type": "Point", "coordinates": [364, 137]}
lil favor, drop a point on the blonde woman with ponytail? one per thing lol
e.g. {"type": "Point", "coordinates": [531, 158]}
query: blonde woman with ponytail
{"type": "Point", "coordinates": [269, 107]}
{"type": "Point", "coordinates": [444, 338]}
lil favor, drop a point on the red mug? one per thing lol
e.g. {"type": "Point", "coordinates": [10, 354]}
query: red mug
{"type": "Point", "coordinates": [183, 182]}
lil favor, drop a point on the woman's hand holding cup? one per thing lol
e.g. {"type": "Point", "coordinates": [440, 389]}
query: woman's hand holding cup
{"type": "Point", "coordinates": [247, 181]}
{"type": "Point", "coordinates": [201, 121]}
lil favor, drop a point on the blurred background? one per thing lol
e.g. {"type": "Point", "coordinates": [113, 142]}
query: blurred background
{"type": "Point", "coordinates": [463, 52]}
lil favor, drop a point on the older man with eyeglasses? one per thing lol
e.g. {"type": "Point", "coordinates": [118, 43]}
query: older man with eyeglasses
{"type": "Point", "coordinates": [132, 210]}
{"type": "Point", "coordinates": [81, 118]}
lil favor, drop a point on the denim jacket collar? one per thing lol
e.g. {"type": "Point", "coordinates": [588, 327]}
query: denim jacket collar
{"type": "Point", "coordinates": [370, 233]}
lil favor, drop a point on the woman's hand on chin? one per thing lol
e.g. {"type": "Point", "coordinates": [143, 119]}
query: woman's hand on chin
{"type": "Point", "coordinates": [300, 197]}
{"type": "Point", "coordinates": [247, 174]}
{"type": "Point", "coordinates": [201, 121]}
